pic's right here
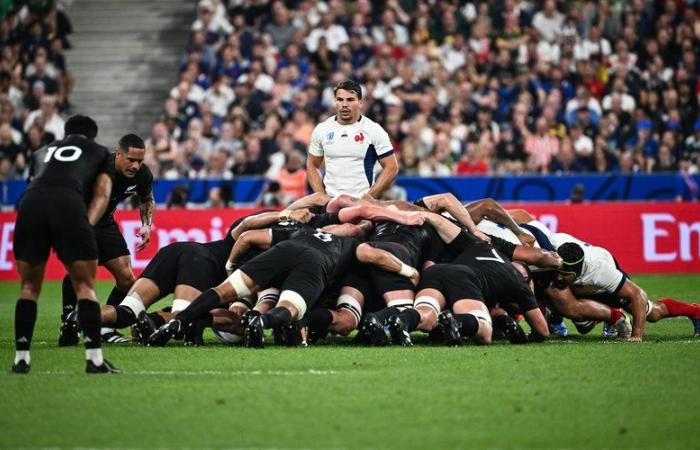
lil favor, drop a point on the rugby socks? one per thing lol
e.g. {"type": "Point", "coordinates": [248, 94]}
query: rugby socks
{"type": "Point", "coordinates": [615, 315]}
{"type": "Point", "coordinates": [115, 297]}
{"type": "Point", "coordinates": [69, 299]}
{"type": "Point", "coordinates": [200, 307]}
{"type": "Point", "coordinates": [25, 318]}
{"type": "Point", "coordinates": [411, 318]}
{"type": "Point", "coordinates": [319, 320]}
{"type": "Point", "coordinates": [276, 317]}
{"type": "Point", "coordinates": [386, 313]}
{"type": "Point", "coordinates": [125, 317]}
{"type": "Point", "coordinates": [89, 318]}
{"type": "Point", "coordinates": [468, 324]}
{"type": "Point", "coordinates": [676, 308]}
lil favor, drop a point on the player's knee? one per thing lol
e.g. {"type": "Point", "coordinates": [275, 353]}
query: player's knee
{"type": "Point", "coordinates": [344, 322]}
{"type": "Point", "coordinates": [125, 281]}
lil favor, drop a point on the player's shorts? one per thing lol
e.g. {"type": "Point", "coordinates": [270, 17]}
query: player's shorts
{"type": "Point", "coordinates": [386, 281]}
{"type": "Point", "coordinates": [53, 218]}
{"type": "Point", "coordinates": [290, 266]}
{"type": "Point", "coordinates": [454, 281]}
{"type": "Point", "coordinates": [187, 263]}
{"type": "Point", "coordinates": [110, 242]}
{"type": "Point", "coordinates": [358, 277]}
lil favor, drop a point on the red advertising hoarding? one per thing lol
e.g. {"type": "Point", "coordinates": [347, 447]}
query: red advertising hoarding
{"type": "Point", "coordinates": [643, 237]}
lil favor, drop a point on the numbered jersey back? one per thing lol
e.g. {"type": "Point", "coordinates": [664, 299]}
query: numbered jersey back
{"type": "Point", "coordinates": [73, 163]}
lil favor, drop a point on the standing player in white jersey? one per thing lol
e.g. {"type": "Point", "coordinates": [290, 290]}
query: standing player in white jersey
{"type": "Point", "coordinates": [349, 145]}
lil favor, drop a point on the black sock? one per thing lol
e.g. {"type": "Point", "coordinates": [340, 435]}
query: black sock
{"type": "Point", "coordinates": [115, 297]}
{"type": "Point", "coordinates": [468, 324]}
{"type": "Point", "coordinates": [70, 301]}
{"type": "Point", "coordinates": [411, 318]}
{"type": "Point", "coordinates": [384, 314]}
{"type": "Point", "coordinates": [277, 317]}
{"type": "Point", "coordinates": [319, 320]}
{"type": "Point", "coordinates": [157, 319]}
{"type": "Point", "coordinates": [89, 319]}
{"type": "Point", "coordinates": [25, 318]}
{"type": "Point", "coordinates": [200, 307]}
{"type": "Point", "coordinates": [125, 317]}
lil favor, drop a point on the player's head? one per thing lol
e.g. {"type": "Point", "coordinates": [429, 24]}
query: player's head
{"type": "Point", "coordinates": [130, 154]}
{"type": "Point", "coordinates": [348, 101]}
{"type": "Point", "coordinates": [83, 125]}
{"type": "Point", "coordinates": [572, 262]}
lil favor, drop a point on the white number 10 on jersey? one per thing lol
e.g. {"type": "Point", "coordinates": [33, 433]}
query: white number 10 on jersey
{"type": "Point", "coordinates": [66, 154]}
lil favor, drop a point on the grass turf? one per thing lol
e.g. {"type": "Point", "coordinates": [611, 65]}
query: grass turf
{"type": "Point", "coordinates": [577, 392]}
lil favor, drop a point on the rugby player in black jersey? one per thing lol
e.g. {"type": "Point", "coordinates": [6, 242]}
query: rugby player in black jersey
{"type": "Point", "coordinates": [478, 277]}
{"type": "Point", "coordinates": [129, 177]}
{"type": "Point", "coordinates": [57, 211]}
{"type": "Point", "coordinates": [300, 262]}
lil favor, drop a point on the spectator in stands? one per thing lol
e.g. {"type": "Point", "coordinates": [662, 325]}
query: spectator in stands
{"type": "Point", "coordinates": [540, 145]}
{"type": "Point", "coordinates": [47, 116]}
{"type": "Point", "coordinates": [281, 28]}
{"type": "Point", "coordinates": [162, 149]}
{"type": "Point", "coordinates": [218, 166]}
{"type": "Point", "coordinates": [220, 96]}
{"type": "Point", "coordinates": [292, 177]}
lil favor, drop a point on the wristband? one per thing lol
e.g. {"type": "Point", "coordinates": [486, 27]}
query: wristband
{"type": "Point", "coordinates": [406, 271]}
{"type": "Point", "coordinates": [230, 266]}
{"type": "Point", "coordinates": [284, 215]}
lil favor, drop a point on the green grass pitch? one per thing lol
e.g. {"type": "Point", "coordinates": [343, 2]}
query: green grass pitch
{"type": "Point", "coordinates": [578, 392]}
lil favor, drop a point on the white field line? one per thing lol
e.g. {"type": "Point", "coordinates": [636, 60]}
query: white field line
{"type": "Point", "coordinates": [206, 372]}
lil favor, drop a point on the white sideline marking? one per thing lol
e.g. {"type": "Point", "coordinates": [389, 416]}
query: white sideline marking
{"type": "Point", "coordinates": [207, 372]}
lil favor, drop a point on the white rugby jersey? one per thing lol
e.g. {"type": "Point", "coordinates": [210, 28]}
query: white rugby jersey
{"type": "Point", "coordinates": [350, 153]}
{"type": "Point", "coordinates": [600, 274]}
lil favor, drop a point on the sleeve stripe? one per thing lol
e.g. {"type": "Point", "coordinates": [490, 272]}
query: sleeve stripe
{"type": "Point", "coordinates": [384, 155]}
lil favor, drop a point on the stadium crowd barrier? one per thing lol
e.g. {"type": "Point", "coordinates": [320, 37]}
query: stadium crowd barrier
{"type": "Point", "coordinates": [531, 188]}
{"type": "Point", "coordinates": [644, 237]}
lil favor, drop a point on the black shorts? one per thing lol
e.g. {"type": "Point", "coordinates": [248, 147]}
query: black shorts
{"type": "Point", "coordinates": [187, 263]}
{"type": "Point", "coordinates": [290, 266]}
{"type": "Point", "coordinates": [53, 218]}
{"type": "Point", "coordinates": [110, 242]}
{"type": "Point", "coordinates": [358, 277]}
{"type": "Point", "coordinates": [454, 281]}
{"type": "Point", "coordinates": [386, 281]}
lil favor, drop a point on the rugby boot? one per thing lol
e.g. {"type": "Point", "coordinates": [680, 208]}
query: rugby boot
{"type": "Point", "coordinates": [162, 335]}
{"type": "Point", "coordinates": [21, 367]}
{"type": "Point", "coordinates": [106, 367]}
{"type": "Point", "coordinates": [450, 329]}
{"type": "Point", "coordinates": [144, 328]}
{"type": "Point", "coordinates": [254, 334]}
{"type": "Point", "coordinates": [69, 334]}
{"type": "Point", "coordinates": [398, 332]}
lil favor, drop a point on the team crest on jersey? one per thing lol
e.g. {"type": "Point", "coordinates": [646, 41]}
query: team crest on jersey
{"type": "Point", "coordinates": [329, 138]}
{"type": "Point", "coordinates": [359, 137]}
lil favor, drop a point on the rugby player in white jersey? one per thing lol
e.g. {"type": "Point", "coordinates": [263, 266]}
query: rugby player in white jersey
{"type": "Point", "coordinates": [350, 145]}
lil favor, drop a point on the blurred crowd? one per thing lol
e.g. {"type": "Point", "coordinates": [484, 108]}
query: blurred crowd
{"type": "Point", "coordinates": [497, 87]}
{"type": "Point", "coordinates": [34, 81]}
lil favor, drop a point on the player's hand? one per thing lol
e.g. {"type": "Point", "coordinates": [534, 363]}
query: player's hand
{"type": "Point", "coordinates": [634, 339]}
{"type": "Point", "coordinates": [526, 239]}
{"type": "Point", "coordinates": [414, 219]}
{"type": "Point", "coordinates": [145, 235]}
{"type": "Point", "coordinates": [415, 278]}
{"type": "Point", "coordinates": [481, 235]}
{"type": "Point", "coordinates": [301, 215]}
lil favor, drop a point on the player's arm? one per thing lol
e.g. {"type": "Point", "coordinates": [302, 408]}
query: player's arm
{"type": "Point", "coordinates": [354, 214]}
{"type": "Point", "coordinates": [147, 209]}
{"type": "Point", "coordinates": [246, 241]}
{"type": "Point", "coordinates": [637, 299]}
{"type": "Point", "coordinates": [447, 230]}
{"type": "Point", "coordinates": [360, 230]}
{"type": "Point", "coordinates": [315, 199]}
{"type": "Point", "coordinates": [100, 198]}
{"type": "Point", "coordinates": [537, 257]}
{"type": "Point", "coordinates": [367, 254]}
{"type": "Point", "coordinates": [491, 209]}
{"type": "Point", "coordinates": [264, 220]}
{"type": "Point", "coordinates": [536, 320]}
{"type": "Point", "coordinates": [448, 202]}
{"type": "Point", "coordinates": [313, 173]}
{"type": "Point", "coordinates": [390, 168]}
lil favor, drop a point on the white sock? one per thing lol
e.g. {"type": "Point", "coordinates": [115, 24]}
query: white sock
{"type": "Point", "coordinates": [23, 355]}
{"type": "Point", "coordinates": [104, 330]}
{"type": "Point", "coordinates": [94, 355]}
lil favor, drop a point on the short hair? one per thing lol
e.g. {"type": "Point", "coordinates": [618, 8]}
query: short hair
{"type": "Point", "coordinates": [572, 256]}
{"type": "Point", "coordinates": [350, 86]}
{"type": "Point", "coordinates": [130, 140]}
{"type": "Point", "coordinates": [81, 125]}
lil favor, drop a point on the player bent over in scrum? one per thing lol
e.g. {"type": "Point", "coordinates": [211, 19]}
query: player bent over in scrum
{"type": "Point", "coordinates": [591, 272]}
{"type": "Point", "coordinates": [481, 272]}
{"type": "Point", "coordinates": [184, 269]}
{"type": "Point", "coordinates": [301, 262]}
